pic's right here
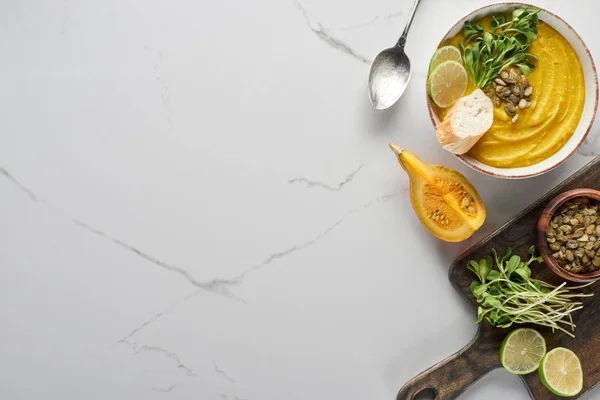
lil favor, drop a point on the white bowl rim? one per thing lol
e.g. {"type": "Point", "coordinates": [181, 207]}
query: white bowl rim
{"type": "Point", "coordinates": [509, 175]}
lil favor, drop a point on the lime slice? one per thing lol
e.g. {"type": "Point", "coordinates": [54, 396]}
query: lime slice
{"type": "Point", "coordinates": [561, 372]}
{"type": "Point", "coordinates": [447, 83]}
{"type": "Point", "coordinates": [522, 351]}
{"type": "Point", "coordinates": [446, 53]}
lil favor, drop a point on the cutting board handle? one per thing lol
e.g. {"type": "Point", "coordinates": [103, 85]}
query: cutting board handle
{"type": "Point", "coordinates": [452, 376]}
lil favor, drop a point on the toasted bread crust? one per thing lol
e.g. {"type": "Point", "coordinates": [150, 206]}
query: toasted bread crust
{"type": "Point", "coordinates": [447, 135]}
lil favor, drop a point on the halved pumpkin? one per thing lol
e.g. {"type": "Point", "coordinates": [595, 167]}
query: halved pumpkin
{"type": "Point", "coordinates": [444, 200]}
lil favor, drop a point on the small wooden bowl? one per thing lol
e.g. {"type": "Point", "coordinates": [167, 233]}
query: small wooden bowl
{"type": "Point", "coordinates": [554, 205]}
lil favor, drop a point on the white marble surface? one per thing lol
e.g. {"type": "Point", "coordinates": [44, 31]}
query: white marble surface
{"type": "Point", "coordinates": [199, 202]}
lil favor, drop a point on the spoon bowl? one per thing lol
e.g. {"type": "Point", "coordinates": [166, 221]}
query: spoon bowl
{"type": "Point", "coordinates": [388, 78]}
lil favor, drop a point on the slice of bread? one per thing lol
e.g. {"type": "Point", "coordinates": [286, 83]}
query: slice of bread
{"type": "Point", "coordinates": [466, 122]}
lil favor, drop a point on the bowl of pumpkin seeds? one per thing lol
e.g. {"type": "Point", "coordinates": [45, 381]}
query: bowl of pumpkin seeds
{"type": "Point", "coordinates": [569, 235]}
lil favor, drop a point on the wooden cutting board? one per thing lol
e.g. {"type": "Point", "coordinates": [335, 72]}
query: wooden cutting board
{"type": "Point", "coordinates": [452, 376]}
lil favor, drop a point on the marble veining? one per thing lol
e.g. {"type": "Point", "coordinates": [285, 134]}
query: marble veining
{"type": "Point", "coordinates": [222, 373]}
{"type": "Point", "coordinates": [335, 188]}
{"type": "Point", "coordinates": [219, 286]}
{"type": "Point", "coordinates": [327, 37]}
{"type": "Point", "coordinates": [125, 339]}
{"type": "Point", "coordinates": [28, 192]}
{"type": "Point", "coordinates": [215, 286]}
{"type": "Point", "coordinates": [239, 279]}
{"type": "Point", "coordinates": [167, 389]}
{"type": "Point", "coordinates": [157, 349]}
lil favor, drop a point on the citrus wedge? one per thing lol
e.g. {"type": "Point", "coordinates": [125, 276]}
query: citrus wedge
{"type": "Point", "coordinates": [447, 83]}
{"type": "Point", "coordinates": [561, 372]}
{"type": "Point", "coordinates": [522, 351]}
{"type": "Point", "coordinates": [446, 53]}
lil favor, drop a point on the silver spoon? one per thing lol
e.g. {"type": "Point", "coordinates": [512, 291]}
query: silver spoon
{"type": "Point", "coordinates": [390, 71]}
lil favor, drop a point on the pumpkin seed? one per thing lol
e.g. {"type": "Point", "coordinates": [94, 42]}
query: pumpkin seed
{"type": "Point", "coordinates": [569, 255]}
{"type": "Point", "coordinates": [566, 228]}
{"type": "Point", "coordinates": [590, 253]}
{"type": "Point", "coordinates": [528, 92]}
{"type": "Point", "coordinates": [522, 104]}
{"type": "Point", "coordinates": [525, 83]}
{"type": "Point", "coordinates": [499, 82]}
{"type": "Point", "coordinates": [510, 109]}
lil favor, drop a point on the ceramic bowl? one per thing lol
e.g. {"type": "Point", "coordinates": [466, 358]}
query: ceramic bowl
{"type": "Point", "coordinates": [591, 93]}
{"type": "Point", "coordinates": [542, 227]}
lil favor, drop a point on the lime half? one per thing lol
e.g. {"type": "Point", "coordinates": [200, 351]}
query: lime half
{"type": "Point", "coordinates": [446, 53]}
{"type": "Point", "coordinates": [522, 351]}
{"type": "Point", "coordinates": [447, 83]}
{"type": "Point", "coordinates": [561, 372]}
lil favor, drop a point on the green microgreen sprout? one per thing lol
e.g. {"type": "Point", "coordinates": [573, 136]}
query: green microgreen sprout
{"type": "Point", "coordinates": [507, 294]}
{"type": "Point", "coordinates": [487, 53]}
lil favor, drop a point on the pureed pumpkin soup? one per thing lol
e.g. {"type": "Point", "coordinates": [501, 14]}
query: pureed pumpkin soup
{"type": "Point", "coordinates": [549, 119]}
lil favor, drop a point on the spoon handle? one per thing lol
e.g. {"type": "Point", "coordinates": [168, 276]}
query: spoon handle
{"type": "Point", "coordinates": [402, 40]}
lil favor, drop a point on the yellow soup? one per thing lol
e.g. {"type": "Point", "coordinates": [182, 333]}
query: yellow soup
{"type": "Point", "coordinates": [542, 129]}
